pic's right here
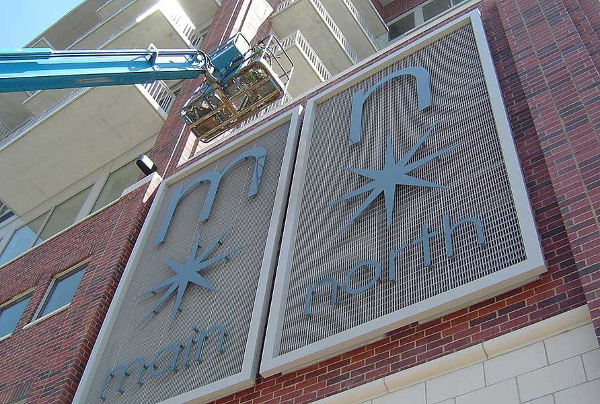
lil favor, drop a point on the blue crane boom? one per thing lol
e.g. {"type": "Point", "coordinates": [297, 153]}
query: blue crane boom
{"type": "Point", "coordinates": [45, 69]}
{"type": "Point", "coordinates": [239, 79]}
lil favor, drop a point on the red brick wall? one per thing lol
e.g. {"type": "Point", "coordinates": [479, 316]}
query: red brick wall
{"type": "Point", "coordinates": [45, 361]}
{"type": "Point", "coordinates": [546, 56]}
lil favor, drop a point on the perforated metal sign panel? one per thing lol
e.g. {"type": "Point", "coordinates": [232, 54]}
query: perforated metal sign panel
{"type": "Point", "coordinates": [187, 321]}
{"type": "Point", "coordinates": [408, 201]}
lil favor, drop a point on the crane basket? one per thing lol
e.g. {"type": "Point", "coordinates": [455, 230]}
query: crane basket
{"type": "Point", "coordinates": [245, 79]}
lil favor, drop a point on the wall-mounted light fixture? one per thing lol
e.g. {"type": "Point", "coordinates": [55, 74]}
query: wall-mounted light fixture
{"type": "Point", "coordinates": [145, 164]}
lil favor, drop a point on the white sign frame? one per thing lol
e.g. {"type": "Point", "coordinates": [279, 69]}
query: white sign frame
{"type": "Point", "coordinates": [247, 376]}
{"type": "Point", "coordinates": [462, 296]}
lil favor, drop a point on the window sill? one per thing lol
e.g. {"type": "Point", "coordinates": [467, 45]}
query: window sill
{"type": "Point", "coordinates": [5, 337]}
{"type": "Point", "coordinates": [51, 314]}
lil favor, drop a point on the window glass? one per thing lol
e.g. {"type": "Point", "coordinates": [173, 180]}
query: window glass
{"type": "Point", "coordinates": [402, 26]}
{"type": "Point", "coordinates": [116, 183]}
{"type": "Point", "coordinates": [22, 239]}
{"type": "Point", "coordinates": [10, 316]}
{"type": "Point", "coordinates": [5, 212]}
{"type": "Point", "coordinates": [62, 292]}
{"type": "Point", "coordinates": [63, 215]}
{"type": "Point", "coordinates": [435, 7]}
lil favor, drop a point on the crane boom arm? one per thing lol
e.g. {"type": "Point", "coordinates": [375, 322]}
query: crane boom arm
{"type": "Point", "coordinates": [44, 69]}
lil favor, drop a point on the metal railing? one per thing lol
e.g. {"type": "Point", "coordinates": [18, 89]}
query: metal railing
{"type": "Point", "coordinates": [337, 33]}
{"type": "Point", "coordinates": [50, 111]}
{"type": "Point", "coordinates": [299, 40]}
{"type": "Point", "coordinates": [180, 20]}
{"type": "Point", "coordinates": [161, 93]}
{"type": "Point", "coordinates": [266, 110]}
{"type": "Point", "coordinates": [4, 131]}
{"type": "Point", "coordinates": [359, 20]}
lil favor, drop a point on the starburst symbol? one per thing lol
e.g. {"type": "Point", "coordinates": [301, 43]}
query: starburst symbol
{"type": "Point", "coordinates": [187, 273]}
{"type": "Point", "coordinates": [393, 174]}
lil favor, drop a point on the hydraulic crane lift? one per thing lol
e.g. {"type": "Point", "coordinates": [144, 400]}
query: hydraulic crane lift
{"type": "Point", "coordinates": [239, 79]}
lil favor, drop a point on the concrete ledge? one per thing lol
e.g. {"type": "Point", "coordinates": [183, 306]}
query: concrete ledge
{"type": "Point", "coordinates": [537, 332]}
{"type": "Point", "coordinates": [358, 394]}
{"type": "Point", "coordinates": [461, 359]}
{"type": "Point", "coordinates": [436, 367]}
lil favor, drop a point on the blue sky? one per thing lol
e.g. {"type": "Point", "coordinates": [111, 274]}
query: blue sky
{"type": "Point", "coordinates": [23, 20]}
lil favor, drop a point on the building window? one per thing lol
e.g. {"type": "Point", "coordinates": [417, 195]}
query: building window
{"type": "Point", "coordinates": [66, 213]}
{"type": "Point", "coordinates": [61, 292]}
{"type": "Point", "coordinates": [116, 183]}
{"type": "Point", "coordinates": [419, 16]}
{"type": "Point", "coordinates": [45, 226]}
{"type": "Point", "coordinates": [5, 212]}
{"type": "Point", "coordinates": [63, 215]}
{"type": "Point", "coordinates": [22, 239]}
{"type": "Point", "coordinates": [10, 314]}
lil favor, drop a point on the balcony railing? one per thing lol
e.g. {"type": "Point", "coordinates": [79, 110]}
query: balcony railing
{"type": "Point", "coordinates": [299, 40]}
{"type": "Point", "coordinates": [181, 21]}
{"type": "Point", "coordinates": [339, 36]}
{"type": "Point", "coordinates": [359, 19]}
{"type": "Point", "coordinates": [4, 131]}
{"type": "Point", "coordinates": [161, 94]}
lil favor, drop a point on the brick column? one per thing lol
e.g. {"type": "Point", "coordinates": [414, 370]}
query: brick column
{"type": "Point", "coordinates": [583, 16]}
{"type": "Point", "coordinates": [562, 89]}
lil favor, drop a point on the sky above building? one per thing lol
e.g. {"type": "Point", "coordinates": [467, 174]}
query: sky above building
{"type": "Point", "coordinates": [23, 20]}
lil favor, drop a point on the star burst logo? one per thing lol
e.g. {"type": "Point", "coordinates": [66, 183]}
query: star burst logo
{"type": "Point", "coordinates": [186, 273]}
{"type": "Point", "coordinates": [393, 174]}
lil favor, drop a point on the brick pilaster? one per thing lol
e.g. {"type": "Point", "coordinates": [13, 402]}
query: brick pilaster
{"type": "Point", "coordinates": [562, 89]}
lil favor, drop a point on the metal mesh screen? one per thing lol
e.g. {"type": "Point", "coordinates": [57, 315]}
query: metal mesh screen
{"type": "Point", "coordinates": [235, 280]}
{"type": "Point", "coordinates": [474, 173]}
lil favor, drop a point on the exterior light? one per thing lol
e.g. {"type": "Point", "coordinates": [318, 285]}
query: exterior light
{"type": "Point", "coordinates": [145, 164]}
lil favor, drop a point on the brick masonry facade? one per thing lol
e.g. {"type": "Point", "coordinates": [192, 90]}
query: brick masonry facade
{"type": "Point", "coordinates": [45, 361]}
{"type": "Point", "coordinates": [546, 53]}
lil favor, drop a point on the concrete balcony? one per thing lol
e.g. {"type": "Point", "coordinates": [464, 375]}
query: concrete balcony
{"type": "Point", "coordinates": [319, 28]}
{"type": "Point", "coordinates": [309, 70]}
{"type": "Point", "coordinates": [370, 17]}
{"type": "Point", "coordinates": [113, 7]}
{"type": "Point", "coordinates": [12, 113]}
{"type": "Point", "coordinates": [81, 133]}
{"type": "Point", "coordinates": [115, 22]}
{"type": "Point", "coordinates": [139, 23]}
{"type": "Point", "coordinates": [351, 23]}
{"type": "Point", "coordinates": [165, 24]}
{"type": "Point", "coordinates": [200, 12]}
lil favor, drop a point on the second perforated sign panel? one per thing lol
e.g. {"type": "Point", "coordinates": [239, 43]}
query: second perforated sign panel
{"type": "Point", "coordinates": [407, 201]}
{"type": "Point", "coordinates": [187, 321]}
